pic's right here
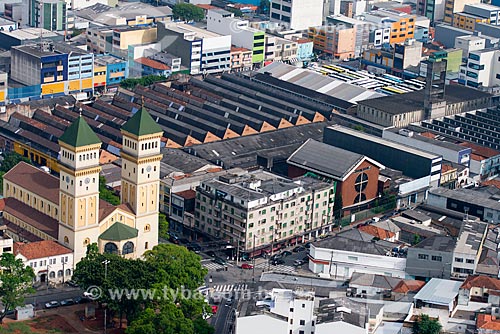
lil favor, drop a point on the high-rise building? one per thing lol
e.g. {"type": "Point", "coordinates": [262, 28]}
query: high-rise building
{"type": "Point", "coordinates": [47, 14]}
{"type": "Point", "coordinates": [297, 14]}
{"type": "Point", "coordinates": [455, 6]}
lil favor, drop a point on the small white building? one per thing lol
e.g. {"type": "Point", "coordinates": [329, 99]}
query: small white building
{"type": "Point", "coordinates": [25, 312]}
{"type": "Point", "coordinates": [340, 257]}
{"type": "Point", "coordinates": [49, 260]}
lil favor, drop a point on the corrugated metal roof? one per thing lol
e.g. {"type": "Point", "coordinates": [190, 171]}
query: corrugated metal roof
{"type": "Point", "coordinates": [438, 291]}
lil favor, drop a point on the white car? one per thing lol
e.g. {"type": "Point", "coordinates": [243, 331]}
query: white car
{"type": "Point", "coordinates": [229, 301]}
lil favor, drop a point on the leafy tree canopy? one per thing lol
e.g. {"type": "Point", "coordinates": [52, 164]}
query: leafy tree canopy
{"type": "Point", "coordinates": [426, 325]}
{"type": "Point", "coordinates": [10, 160]}
{"type": "Point", "coordinates": [16, 282]}
{"type": "Point", "coordinates": [107, 194]}
{"type": "Point", "coordinates": [147, 80]}
{"type": "Point", "coordinates": [162, 226]}
{"type": "Point", "coordinates": [188, 12]}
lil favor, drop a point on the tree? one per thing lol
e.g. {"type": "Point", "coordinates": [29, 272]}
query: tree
{"type": "Point", "coordinates": [188, 12]}
{"type": "Point", "coordinates": [169, 320]}
{"type": "Point", "coordinates": [16, 282]}
{"type": "Point", "coordinates": [1, 182]}
{"type": "Point", "coordinates": [426, 325]}
{"type": "Point", "coordinates": [131, 83]}
{"type": "Point", "coordinates": [162, 226]}
{"type": "Point", "coordinates": [107, 194]}
{"type": "Point", "coordinates": [10, 160]}
{"type": "Point", "coordinates": [121, 274]}
{"type": "Point", "coordinates": [416, 239]}
{"type": "Point", "coordinates": [176, 266]}
{"type": "Point", "coordinates": [237, 12]}
{"type": "Point", "coordinates": [264, 6]}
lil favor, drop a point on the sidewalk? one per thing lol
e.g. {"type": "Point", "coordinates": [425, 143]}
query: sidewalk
{"type": "Point", "coordinates": [43, 291]}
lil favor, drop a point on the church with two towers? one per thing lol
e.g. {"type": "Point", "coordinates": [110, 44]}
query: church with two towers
{"type": "Point", "coordinates": [39, 206]}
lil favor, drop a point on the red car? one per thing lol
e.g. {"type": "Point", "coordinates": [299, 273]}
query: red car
{"type": "Point", "coordinates": [214, 309]}
{"type": "Point", "coordinates": [246, 266]}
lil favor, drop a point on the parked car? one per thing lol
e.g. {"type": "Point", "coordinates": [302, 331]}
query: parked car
{"type": "Point", "coordinates": [298, 262]}
{"type": "Point", "coordinates": [246, 266]}
{"type": "Point", "coordinates": [215, 308]}
{"type": "Point", "coordinates": [52, 304]}
{"type": "Point", "coordinates": [211, 254]}
{"type": "Point", "coordinates": [299, 249]}
{"type": "Point", "coordinates": [286, 253]}
{"type": "Point", "coordinates": [229, 301]}
{"type": "Point", "coordinates": [305, 258]}
{"type": "Point", "coordinates": [245, 257]}
{"type": "Point", "coordinates": [277, 261]}
{"type": "Point", "coordinates": [220, 261]}
{"type": "Point", "coordinates": [67, 302]}
{"type": "Point", "coordinates": [184, 241]}
{"type": "Point", "coordinates": [307, 245]}
{"type": "Point", "coordinates": [194, 247]}
{"type": "Point", "coordinates": [81, 300]}
{"type": "Point", "coordinates": [72, 283]}
{"type": "Point", "coordinates": [174, 238]}
{"type": "Point", "coordinates": [276, 257]}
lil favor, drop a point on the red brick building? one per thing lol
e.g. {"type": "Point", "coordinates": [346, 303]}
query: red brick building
{"type": "Point", "coordinates": [356, 175]}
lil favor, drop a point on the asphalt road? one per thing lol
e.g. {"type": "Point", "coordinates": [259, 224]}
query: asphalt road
{"type": "Point", "coordinates": [220, 319]}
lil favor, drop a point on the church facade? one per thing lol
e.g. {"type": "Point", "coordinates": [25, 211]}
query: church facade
{"type": "Point", "coordinates": [68, 210]}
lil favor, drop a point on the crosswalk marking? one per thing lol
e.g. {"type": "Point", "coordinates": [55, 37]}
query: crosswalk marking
{"type": "Point", "coordinates": [230, 287]}
{"type": "Point", "coordinates": [212, 266]}
{"type": "Point", "coordinates": [279, 267]}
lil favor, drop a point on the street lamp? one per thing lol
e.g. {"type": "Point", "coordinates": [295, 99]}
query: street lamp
{"type": "Point", "coordinates": [105, 262]}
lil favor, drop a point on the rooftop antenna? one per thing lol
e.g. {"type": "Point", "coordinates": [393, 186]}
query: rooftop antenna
{"type": "Point", "coordinates": [80, 111]}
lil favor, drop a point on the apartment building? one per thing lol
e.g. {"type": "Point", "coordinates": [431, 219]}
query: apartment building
{"type": "Point", "coordinates": [259, 210]}
{"type": "Point", "coordinates": [241, 59]}
{"type": "Point", "coordinates": [242, 35]}
{"type": "Point", "coordinates": [47, 14]}
{"type": "Point", "coordinates": [468, 249]}
{"type": "Point", "coordinates": [100, 39]}
{"type": "Point", "coordinates": [59, 68]}
{"type": "Point", "coordinates": [482, 69]}
{"type": "Point", "coordinates": [469, 43]}
{"type": "Point", "coordinates": [125, 36]}
{"type": "Point", "coordinates": [363, 32]}
{"type": "Point", "coordinates": [454, 6]}
{"type": "Point", "coordinates": [487, 11]}
{"type": "Point", "coordinates": [432, 9]}
{"type": "Point", "coordinates": [202, 51]}
{"type": "Point", "coordinates": [468, 21]}
{"type": "Point", "coordinates": [402, 25]}
{"type": "Point", "coordinates": [297, 14]}
{"type": "Point", "coordinates": [340, 42]}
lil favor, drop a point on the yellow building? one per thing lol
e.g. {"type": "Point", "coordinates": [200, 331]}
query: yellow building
{"type": "Point", "coordinates": [67, 209]}
{"type": "Point", "coordinates": [125, 36]}
{"type": "Point", "coordinates": [467, 21]}
{"type": "Point", "coordinates": [3, 87]}
{"type": "Point", "coordinates": [39, 157]}
{"type": "Point", "coordinates": [455, 6]}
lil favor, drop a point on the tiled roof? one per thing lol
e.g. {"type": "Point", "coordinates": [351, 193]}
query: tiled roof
{"type": "Point", "coordinates": [238, 49]}
{"type": "Point", "coordinates": [105, 208]}
{"type": "Point", "coordinates": [495, 183]}
{"type": "Point", "coordinates": [32, 216]}
{"type": "Point", "coordinates": [142, 124]}
{"type": "Point", "coordinates": [446, 168]}
{"type": "Point", "coordinates": [79, 134]}
{"type": "Point", "coordinates": [2, 204]}
{"type": "Point", "coordinates": [377, 232]}
{"type": "Point", "coordinates": [119, 232]}
{"type": "Point", "coordinates": [487, 321]}
{"type": "Point", "coordinates": [482, 282]}
{"type": "Point", "coordinates": [152, 63]}
{"type": "Point", "coordinates": [187, 194]}
{"type": "Point", "coordinates": [206, 7]}
{"type": "Point", "coordinates": [23, 234]}
{"type": "Point", "coordinates": [40, 249]}
{"type": "Point", "coordinates": [35, 180]}
{"type": "Point", "coordinates": [406, 286]}
{"type": "Point", "coordinates": [479, 150]}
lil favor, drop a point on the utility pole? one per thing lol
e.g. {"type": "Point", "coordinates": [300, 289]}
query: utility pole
{"type": "Point", "coordinates": [253, 260]}
{"type": "Point", "coordinates": [105, 262]}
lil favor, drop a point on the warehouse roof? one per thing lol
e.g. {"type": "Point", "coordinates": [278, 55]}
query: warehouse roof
{"type": "Point", "coordinates": [404, 103]}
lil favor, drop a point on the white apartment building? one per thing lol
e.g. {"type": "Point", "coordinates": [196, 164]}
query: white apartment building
{"type": "Point", "coordinates": [79, 4]}
{"type": "Point", "coordinates": [6, 242]}
{"type": "Point", "coordinates": [260, 211]}
{"type": "Point", "coordinates": [297, 14]}
{"type": "Point", "coordinates": [469, 43]}
{"type": "Point", "coordinates": [482, 69]}
{"type": "Point", "coordinates": [51, 261]}
{"type": "Point", "coordinates": [340, 257]}
{"type": "Point", "coordinates": [242, 35]}
{"type": "Point", "coordinates": [204, 52]}
{"type": "Point", "coordinates": [468, 249]}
